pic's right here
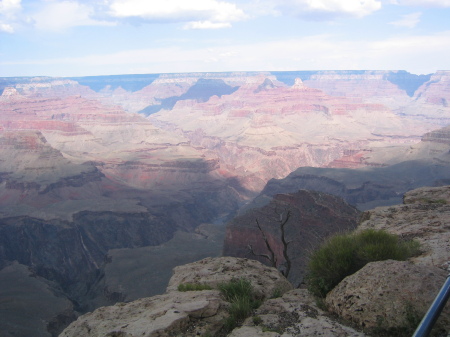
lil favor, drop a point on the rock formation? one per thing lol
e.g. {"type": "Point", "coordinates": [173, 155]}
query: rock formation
{"type": "Point", "coordinates": [313, 217]}
{"type": "Point", "coordinates": [266, 130]}
{"type": "Point", "coordinates": [424, 164]}
{"type": "Point", "coordinates": [79, 178]}
{"type": "Point", "coordinates": [391, 295]}
{"type": "Point", "coordinates": [387, 296]}
{"type": "Point", "coordinates": [424, 216]}
{"type": "Point", "coordinates": [294, 314]}
{"type": "Point", "coordinates": [213, 271]}
{"type": "Point", "coordinates": [178, 313]}
{"type": "Point", "coordinates": [81, 172]}
{"type": "Point", "coordinates": [199, 313]}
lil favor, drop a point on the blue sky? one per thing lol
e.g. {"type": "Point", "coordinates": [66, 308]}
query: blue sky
{"type": "Point", "coordinates": [102, 37]}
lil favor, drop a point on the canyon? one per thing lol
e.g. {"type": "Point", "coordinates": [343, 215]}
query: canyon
{"type": "Point", "coordinates": [383, 298]}
{"type": "Point", "coordinates": [98, 175]}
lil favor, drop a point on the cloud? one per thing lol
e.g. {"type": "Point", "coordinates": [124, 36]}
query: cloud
{"type": "Point", "coordinates": [8, 12]}
{"type": "Point", "coordinates": [327, 9]}
{"type": "Point", "coordinates": [59, 16]}
{"type": "Point", "coordinates": [206, 25]}
{"type": "Point", "coordinates": [423, 3]}
{"type": "Point", "coordinates": [408, 20]}
{"type": "Point", "coordinates": [9, 7]}
{"type": "Point", "coordinates": [199, 14]}
{"type": "Point", "coordinates": [317, 52]}
{"type": "Point", "coordinates": [6, 28]}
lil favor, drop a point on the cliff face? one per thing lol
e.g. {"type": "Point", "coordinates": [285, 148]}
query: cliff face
{"type": "Point", "coordinates": [72, 253]}
{"type": "Point", "coordinates": [424, 164]}
{"type": "Point", "coordinates": [265, 129]}
{"type": "Point", "coordinates": [313, 217]}
{"type": "Point", "coordinates": [79, 178]}
{"type": "Point", "coordinates": [76, 160]}
{"type": "Point", "coordinates": [384, 297]}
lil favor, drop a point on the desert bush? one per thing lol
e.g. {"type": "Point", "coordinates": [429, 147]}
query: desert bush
{"type": "Point", "coordinates": [344, 254]}
{"type": "Point", "coordinates": [193, 287]}
{"type": "Point", "coordinates": [240, 294]}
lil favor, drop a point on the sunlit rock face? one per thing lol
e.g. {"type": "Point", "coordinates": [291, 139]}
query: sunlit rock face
{"type": "Point", "coordinates": [266, 129]}
{"type": "Point", "coordinates": [126, 162]}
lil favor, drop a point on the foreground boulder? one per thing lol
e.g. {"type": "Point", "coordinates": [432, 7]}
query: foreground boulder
{"type": "Point", "coordinates": [424, 216]}
{"type": "Point", "coordinates": [389, 295]}
{"type": "Point", "coordinates": [153, 316]}
{"type": "Point", "coordinates": [212, 271]}
{"type": "Point", "coordinates": [192, 313]}
{"type": "Point", "coordinates": [292, 315]}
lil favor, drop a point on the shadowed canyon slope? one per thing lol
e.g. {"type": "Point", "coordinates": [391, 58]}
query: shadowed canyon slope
{"type": "Point", "coordinates": [313, 216]}
{"type": "Point", "coordinates": [94, 171]}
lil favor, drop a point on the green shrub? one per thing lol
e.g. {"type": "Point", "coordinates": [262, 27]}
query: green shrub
{"type": "Point", "coordinates": [276, 293]}
{"type": "Point", "coordinates": [236, 288]}
{"type": "Point", "coordinates": [257, 320]}
{"type": "Point", "coordinates": [243, 301]}
{"type": "Point", "coordinates": [343, 255]}
{"type": "Point", "coordinates": [193, 287]}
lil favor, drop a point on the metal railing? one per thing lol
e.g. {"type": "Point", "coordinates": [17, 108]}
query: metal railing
{"type": "Point", "coordinates": [434, 311]}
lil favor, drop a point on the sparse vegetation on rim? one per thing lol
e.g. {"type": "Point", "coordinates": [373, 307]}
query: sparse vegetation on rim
{"type": "Point", "coordinates": [240, 294]}
{"type": "Point", "coordinates": [344, 254]}
{"type": "Point", "coordinates": [193, 287]}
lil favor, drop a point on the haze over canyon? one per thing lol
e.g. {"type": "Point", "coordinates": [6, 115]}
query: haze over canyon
{"type": "Point", "coordinates": [108, 182]}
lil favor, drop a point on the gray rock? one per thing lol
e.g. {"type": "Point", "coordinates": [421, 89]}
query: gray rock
{"type": "Point", "coordinates": [212, 271]}
{"type": "Point", "coordinates": [425, 217]}
{"type": "Point", "coordinates": [294, 314]}
{"type": "Point", "coordinates": [388, 295]}
{"type": "Point", "coordinates": [177, 313]}
{"type": "Point", "coordinates": [161, 315]}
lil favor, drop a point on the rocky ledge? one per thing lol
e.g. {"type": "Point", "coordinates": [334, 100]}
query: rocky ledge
{"type": "Point", "coordinates": [384, 298]}
{"type": "Point", "coordinates": [202, 313]}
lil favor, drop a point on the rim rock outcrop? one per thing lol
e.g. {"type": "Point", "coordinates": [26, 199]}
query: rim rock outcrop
{"type": "Point", "coordinates": [212, 271]}
{"type": "Point", "coordinates": [389, 295]}
{"type": "Point", "coordinates": [424, 216]}
{"type": "Point", "coordinates": [294, 314]}
{"type": "Point", "coordinates": [176, 313]}
{"type": "Point", "coordinates": [394, 295]}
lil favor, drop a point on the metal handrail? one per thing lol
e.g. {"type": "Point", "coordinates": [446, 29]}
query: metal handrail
{"type": "Point", "coordinates": [434, 311]}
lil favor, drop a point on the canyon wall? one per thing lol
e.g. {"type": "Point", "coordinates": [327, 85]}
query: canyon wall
{"type": "Point", "coordinates": [108, 165]}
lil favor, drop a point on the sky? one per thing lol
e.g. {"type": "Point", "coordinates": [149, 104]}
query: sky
{"type": "Point", "coordinates": [106, 37]}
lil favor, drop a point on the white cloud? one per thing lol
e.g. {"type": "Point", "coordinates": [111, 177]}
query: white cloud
{"type": "Point", "coordinates": [199, 14]}
{"type": "Point", "coordinates": [9, 7]}
{"type": "Point", "coordinates": [59, 16]}
{"type": "Point", "coordinates": [318, 52]}
{"type": "Point", "coordinates": [6, 28]}
{"type": "Point", "coordinates": [8, 12]}
{"type": "Point", "coordinates": [408, 20]}
{"type": "Point", "coordinates": [424, 3]}
{"type": "Point", "coordinates": [206, 25]}
{"type": "Point", "coordinates": [327, 9]}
